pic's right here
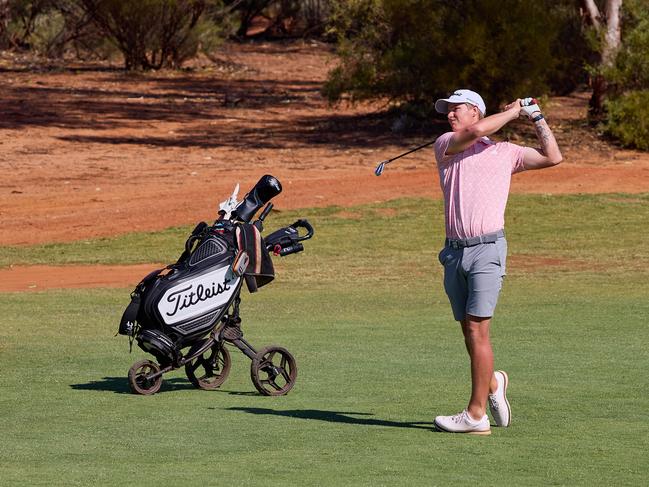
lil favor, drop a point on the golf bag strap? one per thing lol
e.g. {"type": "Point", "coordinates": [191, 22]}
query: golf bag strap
{"type": "Point", "coordinates": [197, 234]}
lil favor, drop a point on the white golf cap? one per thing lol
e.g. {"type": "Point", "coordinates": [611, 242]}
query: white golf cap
{"type": "Point", "coordinates": [461, 96]}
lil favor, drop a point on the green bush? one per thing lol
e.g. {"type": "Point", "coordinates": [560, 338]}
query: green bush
{"type": "Point", "coordinates": [413, 51]}
{"type": "Point", "coordinates": [631, 68]}
{"type": "Point", "coordinates": [628, 119]}
{"type": "Point", "coordinates": [19, 19]}
{"type": "Point", "coordinates": [627, 107]}
{"type": "Point", "coordinates": [150, 33]}
{"type": "Point", "coordinates": [47, 29]}
{"type": "Point", "coordinates": [153, 34]}
{"type": "Point", "coordinates": [625, 67]}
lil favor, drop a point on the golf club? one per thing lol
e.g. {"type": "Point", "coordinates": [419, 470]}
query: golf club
{"type": "Point", "coordinates": [381, 167]}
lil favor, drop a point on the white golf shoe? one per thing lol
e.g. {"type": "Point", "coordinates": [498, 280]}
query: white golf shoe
{"type": "Point", "coordinates": [498, 403]}
{"type": "Point", "coordinates": [463, 423]}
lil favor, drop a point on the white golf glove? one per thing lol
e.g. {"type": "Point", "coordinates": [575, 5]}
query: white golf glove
{"type": "Point", "coordinates": [530, 107]}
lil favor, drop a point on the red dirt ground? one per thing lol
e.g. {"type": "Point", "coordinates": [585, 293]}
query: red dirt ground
{"type": "Point", "coordinates": [89, 151]}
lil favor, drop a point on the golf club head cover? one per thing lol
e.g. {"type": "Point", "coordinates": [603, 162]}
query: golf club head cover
{"type": "Point", "coordinates": [530, 107]}
{"type": "Point", "coordinates": [266, 188]}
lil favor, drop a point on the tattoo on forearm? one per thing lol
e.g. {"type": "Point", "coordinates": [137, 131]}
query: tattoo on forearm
{"type": "Point", "coordinates": [545, 136]}
{"type": "Point", "coordinates": [543, 133]}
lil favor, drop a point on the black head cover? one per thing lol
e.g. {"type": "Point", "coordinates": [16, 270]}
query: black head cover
{"type": "Point", "coordinates": [266, 189]}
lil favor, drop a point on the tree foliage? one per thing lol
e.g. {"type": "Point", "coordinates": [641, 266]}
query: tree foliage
{"type": "Point", "coordinates": [416, 50]}
{"type": "Point", "coordinates": [150, 33]}
{"type": "Point", "coordinates": [282, 18]}
{"type": "Point", "coordinates": [19, 20]}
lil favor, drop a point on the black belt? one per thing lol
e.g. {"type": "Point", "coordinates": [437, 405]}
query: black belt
{"type": "Point", "coordinates": [470, 242]}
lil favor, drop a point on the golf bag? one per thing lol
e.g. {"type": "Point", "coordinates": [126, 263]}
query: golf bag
{"type": "Point", "coordinates": [184, 313]}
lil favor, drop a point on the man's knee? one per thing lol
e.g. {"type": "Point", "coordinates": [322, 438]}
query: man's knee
{"type": "Point", "coordinates": [476, 327]}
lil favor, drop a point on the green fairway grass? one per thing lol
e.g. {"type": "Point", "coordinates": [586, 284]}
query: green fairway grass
{"type": "Point", "coordinates": [378, 353]}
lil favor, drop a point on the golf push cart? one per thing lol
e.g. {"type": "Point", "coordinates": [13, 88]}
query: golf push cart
{"type": "Point", "coordinates": [186, 313]}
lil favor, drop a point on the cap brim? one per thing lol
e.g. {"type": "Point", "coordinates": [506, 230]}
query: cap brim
{"type": "Point", "coordinates": [441, 105]}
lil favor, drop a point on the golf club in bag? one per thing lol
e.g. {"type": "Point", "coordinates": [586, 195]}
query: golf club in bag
{"type": "Point", "coordinates": [186, 313]}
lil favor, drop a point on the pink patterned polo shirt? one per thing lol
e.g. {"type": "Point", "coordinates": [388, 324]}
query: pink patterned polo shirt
{"type": "Point", "coordinates": [475, 184]}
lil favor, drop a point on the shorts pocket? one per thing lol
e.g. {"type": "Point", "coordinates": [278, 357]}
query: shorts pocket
{"type": "Point", "coordinates": [442, 255]}
{"type": "Point", "coordinates": [501, 245]}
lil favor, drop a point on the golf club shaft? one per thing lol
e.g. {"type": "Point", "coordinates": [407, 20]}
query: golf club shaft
{"type": "Point", "coordinates": [379, 169]}
{"type": "Point", "coordinates": [433, 141]}
{"type": "Point", "coordinates": [410, 151]}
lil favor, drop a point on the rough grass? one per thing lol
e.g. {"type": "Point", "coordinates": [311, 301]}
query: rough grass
{"type": "Point", "coordinates": [579, 231]}
{"type": "Point", "coordinates": [378, 354]}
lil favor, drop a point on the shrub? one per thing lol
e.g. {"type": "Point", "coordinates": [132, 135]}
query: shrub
{"type": "Point", "coordinates": [47, 29]}
{"type": "Point", "coordinates": [19, 19]}
{"type": "Point", "coordinates": [413, 51]}
{"type": "Point", "coordinates": [628, 119]}
{"type": "Point", "coordinates": [153, 34]}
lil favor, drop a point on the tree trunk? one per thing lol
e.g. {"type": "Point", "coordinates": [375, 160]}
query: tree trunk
{"type": "Point", "coordinates": [596, 103]}
{"type": "Point", "coordinates": [610, 35]}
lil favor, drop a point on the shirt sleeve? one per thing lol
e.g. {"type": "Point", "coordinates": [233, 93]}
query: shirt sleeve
{"type": "Point", "coordinates": [516, 157]}
{"type": "Point", "coordinates": [441, 146]}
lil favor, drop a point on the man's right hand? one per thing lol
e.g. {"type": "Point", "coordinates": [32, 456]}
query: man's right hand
{"type": "Point", "coordinates": [514, 109]}
{"type": "Point", "coordinates": [530, 107]}
{"type": "Point", "coordinates": [514, 106]}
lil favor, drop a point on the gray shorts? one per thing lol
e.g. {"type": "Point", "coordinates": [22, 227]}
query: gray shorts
{"type": "Point", "coordinates": [473, 277]}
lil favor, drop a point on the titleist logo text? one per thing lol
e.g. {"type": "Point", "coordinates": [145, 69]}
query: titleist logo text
{"type": "Point", "coordinates": [184, 298]}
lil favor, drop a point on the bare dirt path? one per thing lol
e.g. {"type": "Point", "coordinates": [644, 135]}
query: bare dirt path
{"type": "Point", "coordinates": [41, 277]}
{"type": "Point", "coordinates": [88, 152]}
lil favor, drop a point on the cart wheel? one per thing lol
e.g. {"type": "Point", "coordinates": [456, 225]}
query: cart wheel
{"type": "Point", "coordinates": [138, 381]}
{"type": "Point", "coordinates": [209, 371]}
{"type": "Point", "coordinates": [273, 371]}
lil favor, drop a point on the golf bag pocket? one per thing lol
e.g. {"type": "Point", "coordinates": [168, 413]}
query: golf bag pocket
{"type": "Point", "coordinates": [213, 248]}
{"type": "Point", "coordinates": [158, 344]}
{"type": "Point", "coordinates": [129, 317]}
{"type": "Point", "coordinates": [127, 325]}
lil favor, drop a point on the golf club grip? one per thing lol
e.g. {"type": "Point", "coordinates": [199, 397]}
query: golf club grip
{"type": "Point", "coordinates": [264, 213]}
{"type": "Point", "coordinates": [534, 101]}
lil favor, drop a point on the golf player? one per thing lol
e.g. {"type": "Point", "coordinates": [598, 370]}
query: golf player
{"type": "Point", "coordinates": [475, 174]}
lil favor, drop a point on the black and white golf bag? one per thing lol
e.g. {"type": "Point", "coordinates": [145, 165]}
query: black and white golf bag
{"type": "Point", "coordinates": [195, 302]}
